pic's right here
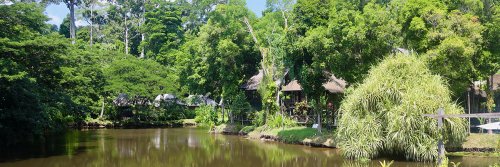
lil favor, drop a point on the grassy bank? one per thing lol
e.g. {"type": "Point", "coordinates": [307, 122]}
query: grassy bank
{"type": "Point", "coordinates": [479, 145]}
{"type": "Point", "coordinates": [230, 129]}
{"type": "Point", "coordinates": [295, 135]}
{"type": "Point", "coordinates": [482, 141]}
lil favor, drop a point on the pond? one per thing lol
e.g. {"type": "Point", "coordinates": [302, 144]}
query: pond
{"type": "Point", "coordinates": [178, 147]}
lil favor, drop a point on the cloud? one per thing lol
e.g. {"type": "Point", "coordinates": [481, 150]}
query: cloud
{"type": "Point", "coordinates": [54, 19]}
{"type": "Point", "coordinates": [81, 23]}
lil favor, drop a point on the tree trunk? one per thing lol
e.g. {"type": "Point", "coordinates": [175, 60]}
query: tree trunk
{"type": "Point", "coordinates": [222, 113]}
{"type": "Point", "coordinates": [285, 19]}
{"type": "Point", "coordinates": [319, 121]}
{"type": "Point", "coordinates": [72, 26]}
{"type": "Point", "coordinates": [126, 35]}
{"type": "Point", "coordinates": [91, 23]}
{"type": "Point", "coordinates": [142, 23]}
{"type": "Point", "coordinates": [231, 116]}
{"type": "Point", "coordinates": [102, 108]}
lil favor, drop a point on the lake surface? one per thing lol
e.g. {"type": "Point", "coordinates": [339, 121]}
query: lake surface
{"type": "Point", "coordinates": [179, 147]}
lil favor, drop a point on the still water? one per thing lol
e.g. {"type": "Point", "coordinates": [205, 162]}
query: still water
{"type": "Point", "coordinates": [178, 148]}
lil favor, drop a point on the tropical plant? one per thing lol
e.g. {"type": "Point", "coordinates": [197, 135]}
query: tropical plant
{"type": "Point", "coordinates": [277, 121]}
{"type": "Point", "coordinates": [258, 118]}
{"type": "Point", "coordinates": [385, 164]}
{"type": "Point", "coordinates": [247, 129]}
{"type": "Point", "coordinates": [206, 116]}
{"type": "Point", "coordinates": [301, 108]}
{"type": "Point", "coordinates": [391, 101]}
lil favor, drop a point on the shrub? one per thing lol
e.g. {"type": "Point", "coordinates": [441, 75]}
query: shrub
{"type": "Point", "coordinates": [258, 118]}
{"type": "Point", "coordinates": [239, 106]}
{"type": "Point", "coordinates": [247, 129]}
{"type": "Point", "coordinates": [277, 121]}
{"type": "Point", "coordinates": [384, 113]}
{"type": "Point", "coordinates": [170, 111]}
{"type": "Point", "coordinates": [206, 116]}
{"type": "Point", "coordinates": [301, 108]}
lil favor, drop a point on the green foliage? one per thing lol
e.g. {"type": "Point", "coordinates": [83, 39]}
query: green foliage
{"type": "Point", "coordinates": [45, 82]}
{"type": "Point", "coordinates": [259, 118]}
{"type": "Point", "coordinates": [204, 47]}
{"type": "Point", "coordinates": [32, 100]}
{"type": "Point", "coordinates": [171, 111]}
{"type": "Point", "coordinates": [64, 27]}
{"type": "Point", "coordinates": [296, 135]}
{"type": "Point", "coordinates": [164, 31]}
{"type": "Point", "coordinates": [138, 77]}
{"type": "Point", "coordinates": [206, 116]}
{"type": "Point", "coordinates": [277, 121]}
{"type": "Point", "coordinates": [239, 105]}
{"type": "Point", "coordinates": [221, 56]}
{"type": "Point", "coordinates": [385, 164]}
{"type": "Point", "coordinates": [391, 102]}
{"type": "Point", "coordinates": [301, 108]}
{"type": "Point", "coordinates": [22, 21]}
{"type": "Point", "coordinates": [267, 91]}
{"type": "Point", "coordinates": [247, 129]}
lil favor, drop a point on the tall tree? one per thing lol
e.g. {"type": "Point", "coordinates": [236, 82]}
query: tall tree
{"type": "Point", "coordinates": [71, 4]}
{"type": "Point", "coordinates": [196, 12]}
{"type": "Point", "coordinates": [164, 31]}
{"type": "Point", "coordinates": [223, 55]}
{"type": "Point", "coordinates": [64, 27]}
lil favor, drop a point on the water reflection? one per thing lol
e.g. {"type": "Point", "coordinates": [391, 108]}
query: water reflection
{"type": "Point", "coordinates": [180, 147]}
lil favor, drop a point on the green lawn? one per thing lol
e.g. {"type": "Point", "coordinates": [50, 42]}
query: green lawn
{"type": "Point", "coordinates": [296, 135]}
{"type": "Point", "coordinates": [478, 140]}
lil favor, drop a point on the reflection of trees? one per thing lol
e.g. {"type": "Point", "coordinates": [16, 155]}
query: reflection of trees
{"type": "Point", "coordinates": [192, 147]}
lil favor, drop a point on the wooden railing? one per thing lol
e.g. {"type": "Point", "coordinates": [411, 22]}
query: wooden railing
{"type": "Point", "coordinates": [440, 116]}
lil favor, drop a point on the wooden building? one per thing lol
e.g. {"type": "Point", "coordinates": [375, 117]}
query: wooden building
{"type": "Point", "coordinates": [292, 94]}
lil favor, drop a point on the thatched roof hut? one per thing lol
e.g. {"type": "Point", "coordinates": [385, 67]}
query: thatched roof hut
{"type": "Point", "coordinates": [123, 100]}
{"type": "Point", "coordinates": [333, 85]}
{"type": "Point", "coordinates": [169, 98]}
{"type": "Point", "coordinates": [253, 82]}
{"type": "Point", "coordinates": [199, 100]}
{"type": "Point", "coordinates": [292, 86]}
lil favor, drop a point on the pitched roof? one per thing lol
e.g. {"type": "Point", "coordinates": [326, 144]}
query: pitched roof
{"type": "Point", "coordinates": [292, 86]}
{"type": "Point", "coordinates": [333, 85]}
{"type": "Point", "coordinates": [253, 82]}
{"type": "Point", "coordinates": [199, 100]}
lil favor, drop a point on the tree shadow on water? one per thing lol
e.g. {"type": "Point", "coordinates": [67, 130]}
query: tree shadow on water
{"type": "Point", "coordinates": [69, 144]}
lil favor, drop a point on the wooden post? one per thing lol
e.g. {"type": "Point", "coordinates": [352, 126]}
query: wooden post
{"type": "Point", "coordinates": [440, 142]}
{"type": "Point", "coordinates": [440, 116]}
{"type": "Point", "coordinates": [468, 108]}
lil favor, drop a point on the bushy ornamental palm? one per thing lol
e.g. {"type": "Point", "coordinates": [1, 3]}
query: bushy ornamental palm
{"type": "Point", "coordinates": [383, 115]}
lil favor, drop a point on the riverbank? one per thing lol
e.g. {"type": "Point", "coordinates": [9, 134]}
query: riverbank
{"type": "Point", "coordinates": [475, 145]}
{"type": "Point", "coordinates": [98, 123]}
{"type": "Point", "coordinates": [295, 135]}
{"type": "Point", "coordinates": [481, 145]}
{"type": "Point", "coordinates": [290, 135]}
{"type": "Point", "coordinates": [481, 142]}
